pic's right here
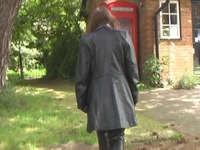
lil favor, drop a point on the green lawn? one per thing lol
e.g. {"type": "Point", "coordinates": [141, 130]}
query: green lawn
{"type": "Point", "coordinates": [38, 113]}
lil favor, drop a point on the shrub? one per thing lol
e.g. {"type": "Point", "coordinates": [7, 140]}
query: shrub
{"type": "Point", "coordinates": [187, 81]}
{"type": "Point", "coordinates": [142, 86]}
{"type": "Point", "coordinates": [153, 69]}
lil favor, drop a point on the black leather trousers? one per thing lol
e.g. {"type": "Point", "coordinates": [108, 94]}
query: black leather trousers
{"type": "Point", "coordinates": [111, 139]}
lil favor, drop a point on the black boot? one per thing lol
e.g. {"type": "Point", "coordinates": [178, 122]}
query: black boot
{"type": "Point", "coordinates": [116, 139]}
{"type": "Point", "coordinates": [103, 140]}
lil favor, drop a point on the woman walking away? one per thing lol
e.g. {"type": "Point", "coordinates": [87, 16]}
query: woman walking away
{"type": "Point", "coordinates": [106, 80]}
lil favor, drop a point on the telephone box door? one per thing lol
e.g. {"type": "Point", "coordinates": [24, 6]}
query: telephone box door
{"type": "Point", "coordinates": [126, 14]}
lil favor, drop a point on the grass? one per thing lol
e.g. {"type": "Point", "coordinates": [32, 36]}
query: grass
{"type": "Point", "coordinates": [33, 73]}
{"type": "Point", "coordinates": [37, 114]}
{"type": "Point", "coordinates": [36, 120]}
{"type": "Point", "coordinates": [148, 129]}
{"type": "Point", "coordinates": [178, 137]}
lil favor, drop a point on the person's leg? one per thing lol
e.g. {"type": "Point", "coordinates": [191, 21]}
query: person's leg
{"type": "Point", "coordinates": [116, 139]}
{"type": "Point", "coordinates": [102, 140]}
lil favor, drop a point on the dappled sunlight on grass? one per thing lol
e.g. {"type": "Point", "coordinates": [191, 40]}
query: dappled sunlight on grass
{"type": "Point", "coordinates": [30, 130]}
{"type": "Point", "coordinates": [46, 116]}
{"type": "Point", "coordinates": [13, 120]}
{"type": "Point", "coordinates": [42, 120]}
{"type": "Point", "coordinates": [2, 145]}
{"type": "Point", "coordinates": [148, 129]}
{"type": "Point", "coordinates": [142, 132]}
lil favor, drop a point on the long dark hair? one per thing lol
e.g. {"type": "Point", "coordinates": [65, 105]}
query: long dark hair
{"type": "Point", "coordinates": [101, 16]}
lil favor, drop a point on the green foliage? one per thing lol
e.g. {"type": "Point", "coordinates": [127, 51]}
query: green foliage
{"type": "Point", "coordinates": [143, 86]}
{"type": "Point", "coordinates": [30, 59]}
{"type": "Point", "coordinates": [47, 33]}
{"type": "Point", "coordinates": [178, 137]}
{"type": "Point", "coordinates": [187, 81]}
{"type": "Point", "coordinates": [153, 69]}
{"type": "Point", "coordinates": [22, 37]}
{"type": "Point", "coordinates": [13, 76]}
{"type": "Point", "coordinates": [35, 73]}
{"type": "Point", "coordinates": [62, 60]}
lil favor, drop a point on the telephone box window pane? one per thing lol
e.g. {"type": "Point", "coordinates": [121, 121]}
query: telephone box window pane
{"type": "Point", "coordinates": [174, 19]}
{"type": "Point", "coordinates": [125, 24]}
{"type": "Point", "coordinates": [166, 31]}
{"type": "Point", "coordinates": [124, 21]}
{"type": "Point", "coordinates": [165, 10]}
{"type": "Point", "coordinates": [173, 8]}
{"type": "Point", "coordinates": [165, 19]}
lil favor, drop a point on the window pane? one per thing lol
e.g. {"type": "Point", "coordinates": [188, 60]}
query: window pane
{"type": "Point", "coordinates": [125, 24]}
{"type": "Point", "coordinates": [173, 8]}
{"type": "Point", "coordinates": [173, 19]}
{"type": "Point", "coordinates": [174, 31]}
{"type": "Point", "coordinates": [166, 9]}
{"type": "Point", "coordinates": [124, 21]}
{"type": "Point", "coordinates": [169, 20]}
{"type": "Point", "coordinates": [165, 19]}
{"type": "Point", "coordinates": [166, 31]}
{"type": "Point", "coordinates": [197, 36]}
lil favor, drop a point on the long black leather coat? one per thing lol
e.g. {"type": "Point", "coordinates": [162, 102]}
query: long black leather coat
{"type": "Point", "coordinates": [106, 79]}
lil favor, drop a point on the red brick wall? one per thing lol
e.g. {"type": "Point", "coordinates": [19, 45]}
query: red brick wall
{"type": "Point", "coordinates": [146, 32]}
{"type": "Point", "coordinates": [180, 51]}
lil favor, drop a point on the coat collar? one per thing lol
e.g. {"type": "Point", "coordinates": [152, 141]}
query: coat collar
{"type": "Point", "coordinates": [103, 26]}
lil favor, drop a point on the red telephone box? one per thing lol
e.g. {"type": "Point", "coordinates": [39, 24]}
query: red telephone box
{"type": "Point", "coordinates": [126, 14]}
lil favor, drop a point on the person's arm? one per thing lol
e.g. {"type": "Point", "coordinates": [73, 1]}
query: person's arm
{"type": "Point", "coordinates": [82, 76]}
{"type": "Point", "coordinates": [131, 68]}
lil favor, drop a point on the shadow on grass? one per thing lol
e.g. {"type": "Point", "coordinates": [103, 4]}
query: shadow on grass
{"type": "Point", "coordinates": [35, 120]}
{"type": "Point", "coordinates": [46, 115]}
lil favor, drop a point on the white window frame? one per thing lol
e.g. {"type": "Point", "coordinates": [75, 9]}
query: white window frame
{"type": "Point", "coordinates": [173, 29]}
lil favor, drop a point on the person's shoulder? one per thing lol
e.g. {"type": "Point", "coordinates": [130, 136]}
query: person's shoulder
{"type": "Point", "coordinates": [86, 36]}
{"type": "Point", "coordinates": [123, 32]}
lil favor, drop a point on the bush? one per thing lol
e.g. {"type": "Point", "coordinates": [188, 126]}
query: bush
{"type": "Point", "coordinates": [13, 76]}
{"type": "Point", "coordinates": [143, 86]}
{"type": "Point", "coordinates": [187, 81]}
{"type": "Point", "coordinates": [153, 69]}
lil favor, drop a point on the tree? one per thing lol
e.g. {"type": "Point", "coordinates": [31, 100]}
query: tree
{"type": "Point", "coordinates": [8, 12]}
{"type": "Point", "coordinates": [52, 30]}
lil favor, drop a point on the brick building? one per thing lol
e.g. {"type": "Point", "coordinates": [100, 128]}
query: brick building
{"type": "Point", "coordinates": [173, 33]}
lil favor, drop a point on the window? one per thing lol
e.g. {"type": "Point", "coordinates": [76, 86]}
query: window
{"type": "Point", "coordinates": [126, 23]}
{"type": "Point", "coordinates": [170, 20]}
{"type": "Point", "coordinates": [196, 22]}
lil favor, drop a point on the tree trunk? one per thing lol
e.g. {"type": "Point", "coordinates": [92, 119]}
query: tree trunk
{"type": "Point", "coordinates": [8, 12]}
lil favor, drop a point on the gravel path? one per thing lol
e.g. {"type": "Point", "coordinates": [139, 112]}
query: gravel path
{"type": "Point", "coordinates": [178, 107]}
